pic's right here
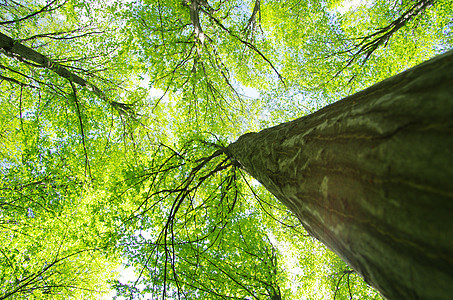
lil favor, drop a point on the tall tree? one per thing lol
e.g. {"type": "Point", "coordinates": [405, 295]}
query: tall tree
{"type": "Point", "coordinates": [115, 120]}
{"type": "Point", "coordinates": [370, 176]}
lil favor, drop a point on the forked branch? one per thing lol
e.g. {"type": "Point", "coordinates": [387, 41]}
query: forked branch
{"type": "Point", "coordinates": [368, 44]}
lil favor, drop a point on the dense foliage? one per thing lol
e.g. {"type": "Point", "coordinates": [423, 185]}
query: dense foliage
{"type": "Point", "coordinates": [113, 120]}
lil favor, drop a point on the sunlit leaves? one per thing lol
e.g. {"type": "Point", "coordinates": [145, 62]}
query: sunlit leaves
{"type": "Point", "coordinates": [319, 42]}
{"type": "Point", "coordinates": [89, 176]}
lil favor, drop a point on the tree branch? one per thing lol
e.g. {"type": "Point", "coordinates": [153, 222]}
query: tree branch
{"type": "Point", "coordinates": [44, 9]}
{"type": "Point", "coordinates": [16, 81]}
{"type": "Point", "coordinates": [30, 56]}
{"type": "Point", "coordinates": [368, 44]}
{"type": "Point", "coordinates": [246, 43]}
{"type": "Point", "coordinates": [9, 45]}
{"type": "Point", "coordinates": [87, 161]}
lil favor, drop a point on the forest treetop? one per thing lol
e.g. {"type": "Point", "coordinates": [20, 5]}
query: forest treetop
{"type": "Point", "coordinates": [111, 116]}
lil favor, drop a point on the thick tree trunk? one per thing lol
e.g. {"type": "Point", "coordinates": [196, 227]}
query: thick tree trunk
{"type": "Point", "coordinates": [371, 176]}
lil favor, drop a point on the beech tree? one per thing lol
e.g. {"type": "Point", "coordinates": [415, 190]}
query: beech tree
{"type": "Point", "coordinates": [124, 149]}
{"type": "Point", "coordinates": [370, 177]}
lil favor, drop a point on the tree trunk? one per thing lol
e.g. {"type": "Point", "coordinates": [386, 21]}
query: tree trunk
{"type": "Point", "coordinates": [371, 176]}
{"type": "Point", "coordinates": [25, 53]}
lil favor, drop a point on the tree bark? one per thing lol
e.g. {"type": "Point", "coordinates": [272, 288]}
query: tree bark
{"type": "Point", "coordinates": [371, 176]}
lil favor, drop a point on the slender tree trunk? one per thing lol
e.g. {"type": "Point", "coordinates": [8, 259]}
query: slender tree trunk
{"type": "Point", "coordinates": [371, 176]}
{"type": "Point", "coordinates": [25, 53]}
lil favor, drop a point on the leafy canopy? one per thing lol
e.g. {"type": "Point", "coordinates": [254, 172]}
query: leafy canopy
{"type": "Point", "coordinates": [114, 118]}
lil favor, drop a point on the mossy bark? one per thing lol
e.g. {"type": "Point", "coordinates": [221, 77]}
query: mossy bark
{"type": "Point", "coordinates": [371, 176]}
